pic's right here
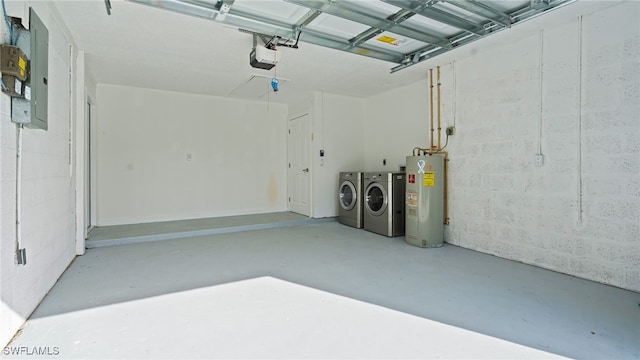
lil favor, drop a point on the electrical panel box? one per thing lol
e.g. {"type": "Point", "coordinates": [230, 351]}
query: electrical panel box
{"type": "Point", "coordinates": [39, 72]}
{"type": "Point", "coordinates": [424, 201]}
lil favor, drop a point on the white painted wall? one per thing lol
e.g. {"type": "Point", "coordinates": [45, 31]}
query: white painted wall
{"type": "Point", "coordinates": [168, 156]}
{"type": "Point", "coordinates": [337, 123]}
{"type": "Point", "coordinates": [48, 186]}
{"type": "Point", "coordinates": [395, 122]}
{"type": "Point", "coordinates": [500, 203]}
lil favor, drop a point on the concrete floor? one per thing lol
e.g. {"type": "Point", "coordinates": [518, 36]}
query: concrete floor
{"type": "Point", "coordinates": [323, 291]}
{"type": "Point", "coordinates": [137, 233]}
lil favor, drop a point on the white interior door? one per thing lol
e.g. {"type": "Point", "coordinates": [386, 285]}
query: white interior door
{"type": "Point", "coordinates": [299, 175]}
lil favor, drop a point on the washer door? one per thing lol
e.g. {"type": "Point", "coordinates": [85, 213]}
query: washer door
{"type": "Point", "coordinates": [348, 196]}
{"type": "Point", "coordinates": [376, 199]}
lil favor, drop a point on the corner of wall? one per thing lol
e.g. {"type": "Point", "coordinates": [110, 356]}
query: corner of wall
{"type": "Point", "coordinates": [47, 225]}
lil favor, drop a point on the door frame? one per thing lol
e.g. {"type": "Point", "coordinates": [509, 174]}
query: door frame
{"type": "Point", "coordinates": [290, 142]}
{"type": "Point", "coordinates": [90, 171]}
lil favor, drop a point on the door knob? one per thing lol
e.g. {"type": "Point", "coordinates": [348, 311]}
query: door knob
{"type": "Point", "coordinates": [305, 170]}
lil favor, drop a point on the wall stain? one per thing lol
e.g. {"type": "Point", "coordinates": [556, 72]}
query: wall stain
{"type": "Point", "coordinates": [272, 190]}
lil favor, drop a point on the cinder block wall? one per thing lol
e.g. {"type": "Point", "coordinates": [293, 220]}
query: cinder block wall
{"type": "Point", "coordinates": [579, 212]}
{"type": "Point", "coordinates": [48, 187]}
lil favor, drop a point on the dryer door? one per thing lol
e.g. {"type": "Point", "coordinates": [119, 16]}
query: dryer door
{"type": "Point", "coordinates": [348, 196]}
{"type": "Point", "coordinates": [376, 199]}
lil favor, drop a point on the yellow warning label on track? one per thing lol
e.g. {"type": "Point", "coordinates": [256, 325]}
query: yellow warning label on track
{"type": "Point", "coordinates": [387, 39]}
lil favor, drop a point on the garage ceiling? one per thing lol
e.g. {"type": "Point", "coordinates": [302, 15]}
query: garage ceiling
{"type": "Point", "coordinates": [196, 50]}
{"type": "Point", "coordinates": [404, 32]}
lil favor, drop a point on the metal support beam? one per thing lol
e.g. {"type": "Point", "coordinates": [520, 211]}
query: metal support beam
{"type": "Point", "coordinates": [307, 19]}
{"type": "Point", "coordinates": [482, 10]}
{"type": "Point", "coordinates": [397, 18]}
{"type": "Point", "coordinates": [350, 12]}
{"type": "Point", "coordinates": [365, 36]}
{"type": "Point", "coordinates": [205, 10]}
{"type": "Point", "coordinates": [436, 45]}
{"type": "Point", "coordinates": [540, 4]}
{"type": "Point", "coordinates": [263, 25]}
{"type": "Point", "coordinates": [426, 10]}
{"type": "Point", "coordinates": [518, 15]}
{"type": "Point", "coordinates": [224, 6]}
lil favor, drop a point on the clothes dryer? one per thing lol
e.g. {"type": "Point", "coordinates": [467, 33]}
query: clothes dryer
{"type": "Point", "coordinates": [350, 199]}
{"type": "Point", "coordinates": [384, 203]}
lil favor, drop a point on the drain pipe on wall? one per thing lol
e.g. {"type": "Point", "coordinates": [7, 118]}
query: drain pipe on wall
{"type": "Point", "coordinates": [539, 158]}
{"type": "Point", "coordinates": [21, 255]}
{"type": "Point", "coordinates": [455, 94]}
{"type": "Point", "coordinates": [431, 107]}
{"type": "Point", "coordinates": [579, 115]}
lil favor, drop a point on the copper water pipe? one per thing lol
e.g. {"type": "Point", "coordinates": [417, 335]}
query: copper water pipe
{"type": "Point", "coordinates": [439, 128]}
{"type": "Point", "coordinates": [446, 187]}
{"type": "Point", "coordinates": [431, 106]}
{"type": "Point", "coordinates": [445, 219]}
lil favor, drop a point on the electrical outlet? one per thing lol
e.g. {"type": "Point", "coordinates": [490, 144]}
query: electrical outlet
{"type": "Point", "coordinates": [451, 130]}
{"type": "Point", "coordinates": [538, 160]}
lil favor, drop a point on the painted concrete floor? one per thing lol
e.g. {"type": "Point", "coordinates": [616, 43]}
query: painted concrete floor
{"type": "Point", "coordinates": [323, 291]}
{"type": "Point", "coordinates": [137, 233]}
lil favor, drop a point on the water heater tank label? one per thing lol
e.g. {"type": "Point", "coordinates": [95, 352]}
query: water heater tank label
{"type": "Point", "coordinates": [412, 199]}
{"type": "Point", "coordinates": [429, 179]}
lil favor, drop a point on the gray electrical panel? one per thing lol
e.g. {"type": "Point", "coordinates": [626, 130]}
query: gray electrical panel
{"type": "Point", "coordinates": [424, 201]}
{"type": "Point", "coordinates": [39, 72]}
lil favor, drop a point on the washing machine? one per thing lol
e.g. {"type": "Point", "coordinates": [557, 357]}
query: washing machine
{"type": "Point", "coordinates": [350, 199]}
{"type": "Point", "coordinates": [384, 203]}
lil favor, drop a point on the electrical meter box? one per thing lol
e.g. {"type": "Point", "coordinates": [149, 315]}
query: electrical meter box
{"type": "Point", "coordinates": [424, 200]}
{"type": "Point", "coordinates": [14, 87]}
{"type": "Point", "coordinates": [13, 62]}
{"type": "Point", "coordinates": [21, 100]}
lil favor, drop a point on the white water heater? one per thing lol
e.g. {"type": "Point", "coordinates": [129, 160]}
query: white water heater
{"type": "Point", "coordinates": [424, 200]}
